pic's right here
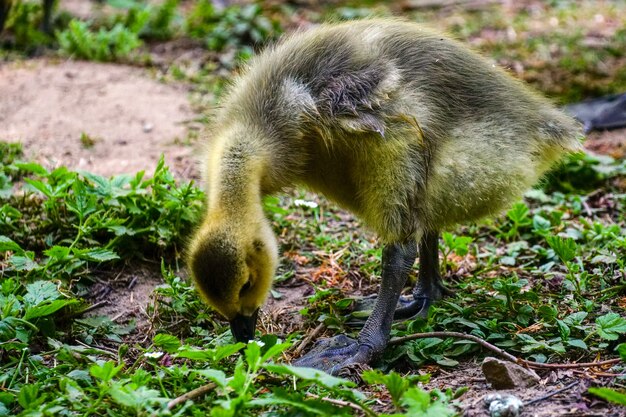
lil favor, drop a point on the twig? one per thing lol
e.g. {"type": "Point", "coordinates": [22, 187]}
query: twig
{"type": "Point", "coordinates": [551, 394]}
{"type": "Point", "coordinates": [505, 355]}
{"type": "Point", "coordinates": [570, 365]}
{"type": "Point", "coordinates": [191, 395]}
{"type": "Point", "coordinates": [485, 344]}
{"type": "Point", "coordinates": [90, 308]}
{"type": "Point", "coordinates": [587, 209]}
{"type": "Point", "coordinates": [298, 349]}
{"type": "Point", "coordinates": [342, 403]}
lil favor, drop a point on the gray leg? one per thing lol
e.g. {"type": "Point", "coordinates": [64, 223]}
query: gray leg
{"type": "Point", "coordinates": [47, 16]}
{"type": "Point", "coordinates": [333, 354]}
{"type": "Point", "coordinates": [429, 287]}
{"type": "Point", "coordinates": [5, 8]}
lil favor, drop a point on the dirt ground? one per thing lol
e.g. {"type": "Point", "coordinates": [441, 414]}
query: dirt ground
{"type": "Point", "coordinates": [130, 119]}
{"type": "Point", "coordinates": [103, 118]}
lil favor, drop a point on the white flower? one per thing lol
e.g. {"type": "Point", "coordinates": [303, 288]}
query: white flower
{"type": "Point", "coordinates": [304, 203]}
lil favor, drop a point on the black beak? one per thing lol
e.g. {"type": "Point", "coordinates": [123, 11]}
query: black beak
{"type": "Point", "coordinates": [243, 327]}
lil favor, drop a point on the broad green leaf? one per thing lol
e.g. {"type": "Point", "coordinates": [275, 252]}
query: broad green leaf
{"type": "Point", "coordinates": [134, 398]}
{"type": "Point", "coordinates": [32, 167]}
{"type": "Point", "coordinates": [609, 395]}
{"type": "Point", "coordinates": [610, 326]}
{"type": "Point", "coordinates": [395, 383]}
{"type": "Point", "coordinates": [45, 309]}
{"type": "Point", "coordinates": [541, 224]}
{"type": "Point", "coordinates": [167, 342]}
{"type": "Point", "coordinates": [7, 244]}
{"type": "Point", "coordinates": [274, 350]}
{"type": "Point", "coordinates": [621, 349]}
{"type": "Point", "coordinates": [97, 255]}
{"type": "Point", "coordinates": [295, 400]}
{"type": "Point", "coordinates": [29, 397]}
{"type": "Point", "coordinates": [41, 291]}
{"type": "Point", "coordinates": [214, 375]}
{"type": "Point", "coordinates": [106, 371]}
{"type": "Point", "coordinates": [564, 329]}
{"type": "Point", "coordinates": [519, 214]}
{"type": "Point", "coordinates": [4, 411]}
{"type": "Point", "coordinates": [58, 252]}
{"type": "Point", "coordinates": [22, 263]}
{"type": "Point", "coordinates": [253, 355]}
{"type": "Point", "coordinates": [40, 186]}
{"type": "Point", "coordinates": [565, 248]}
{"type": "Point", "coordinates": [308, 374]}
{"type": "Point", "coordinates": [578, 343]}
{"type": "Point", "coordinates": [575, 319]}
{"type": "Point", "coordinates": [222, 352]}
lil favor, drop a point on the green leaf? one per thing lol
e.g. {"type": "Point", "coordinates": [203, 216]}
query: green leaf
{"type": "Point", "coordinates": [308, 374]}
{"type": "Point", "coordinates": [167, 342]}
{"type": "Point", "coordinates": [541, 224]}
{"type": "Point", "coordinates": [519, 214]}
{"type": "Point", "coordinates": [137, 399]}
{"type": "Point", "coordinates": [214, 375]}
{"type": "Point", "coordinates": [274, 350]}
{"type": "Point", "coordinates": [419, 403]}
{"type": "Point", "coordinates": [610, 326]}
{"type": "Point", "coordinates": [106, 371]}
{"type": "Point", "coordinates": [41, 291]}
{"type": "Point", "coordinates": [564, 329]}
{"type": "Point", "coordinates": [58, 253]}
{"type": "Point", "coordinates": [40, 186]}
{"type": "Point", "coordinates": [196, 354]}
{"type": "Point", "coordinates": [621, 349]}
{"type": "Point", "coordinates": [96, 255]}
{"type": "Point", "coordinates": [7, 244]}
{"type": "Point", "coordinates": [576, 319]}
{"type": "Point", "coordinates": [45, 309]}
{"type": "Point", "coordinates": [32, 168]}
{"type": "Point", "coordinates": [577, 343]}
{"type": "Point", "coordinates": [565, 248]}
{"type": "Point", "coordinates": [22, 263]}
{"type": "Point", "coordinates": [252, 354]}
{"type": "Point", "coordinates": [609, 395]}
{"type": "Point", "coordinates": [227, 350]}
{"type": "Point", "coordinates": [29, 397]}
{"type": "Point", "coordinates": [395, 383]}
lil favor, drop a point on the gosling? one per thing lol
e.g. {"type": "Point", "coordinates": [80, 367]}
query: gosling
{"type": "Point", "coordinates": [402, 126]}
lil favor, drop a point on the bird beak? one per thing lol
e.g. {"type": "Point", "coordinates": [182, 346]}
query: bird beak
{"type": "Point", "coordinates": [243, 327]}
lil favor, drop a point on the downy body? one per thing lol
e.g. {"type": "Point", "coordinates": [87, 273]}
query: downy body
{"type": "Point", "coordinates": [404, 127]}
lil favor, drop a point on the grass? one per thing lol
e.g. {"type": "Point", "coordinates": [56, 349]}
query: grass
{"type": "Point", "coordinates": [544, 281]}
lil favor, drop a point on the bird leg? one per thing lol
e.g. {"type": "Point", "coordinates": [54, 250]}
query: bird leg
{"type": "Point", "coordinates": [47, 16]}
{"type": "Point", "coordinates": [429, 287]}
{"type": "Point", "coordinates": [333, 354]}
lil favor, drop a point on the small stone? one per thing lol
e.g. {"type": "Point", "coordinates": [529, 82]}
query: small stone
{"type": "Point", "coordinates": [503, 405]}
{"type": "Point", "coordinates": [147, 127]}
{"type": "Point", "coordinates": [508, 375]}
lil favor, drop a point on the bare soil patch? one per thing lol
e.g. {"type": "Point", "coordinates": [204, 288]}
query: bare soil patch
{"type": "Point", "coordinates": [126, 118]}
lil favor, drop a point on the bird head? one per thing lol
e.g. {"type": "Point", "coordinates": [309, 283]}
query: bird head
{"type": "Point", "coordinates": [233, 269]}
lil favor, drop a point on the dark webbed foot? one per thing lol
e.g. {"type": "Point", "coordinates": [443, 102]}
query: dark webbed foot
{"type": "Point", "coordinates": [331, 355]}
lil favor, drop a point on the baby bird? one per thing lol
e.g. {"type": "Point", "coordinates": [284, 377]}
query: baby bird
{"type": "Point", "coordinates": [402, 126]}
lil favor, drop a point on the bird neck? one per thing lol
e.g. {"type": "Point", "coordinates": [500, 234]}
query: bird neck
{"type": "Point", "coordinates": [234, 182]}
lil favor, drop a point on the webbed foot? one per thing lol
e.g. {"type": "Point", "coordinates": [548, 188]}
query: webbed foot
{"type": "Point", "coordinates": [341, 352]}
{"type": "Point", "coordinates": [333, 354]}
{"type": "Point", "coordinates": [423, 298]}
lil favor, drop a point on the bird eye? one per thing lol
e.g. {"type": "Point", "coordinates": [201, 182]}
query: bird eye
{"type": "Point", "coordinates": [245, 288]}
